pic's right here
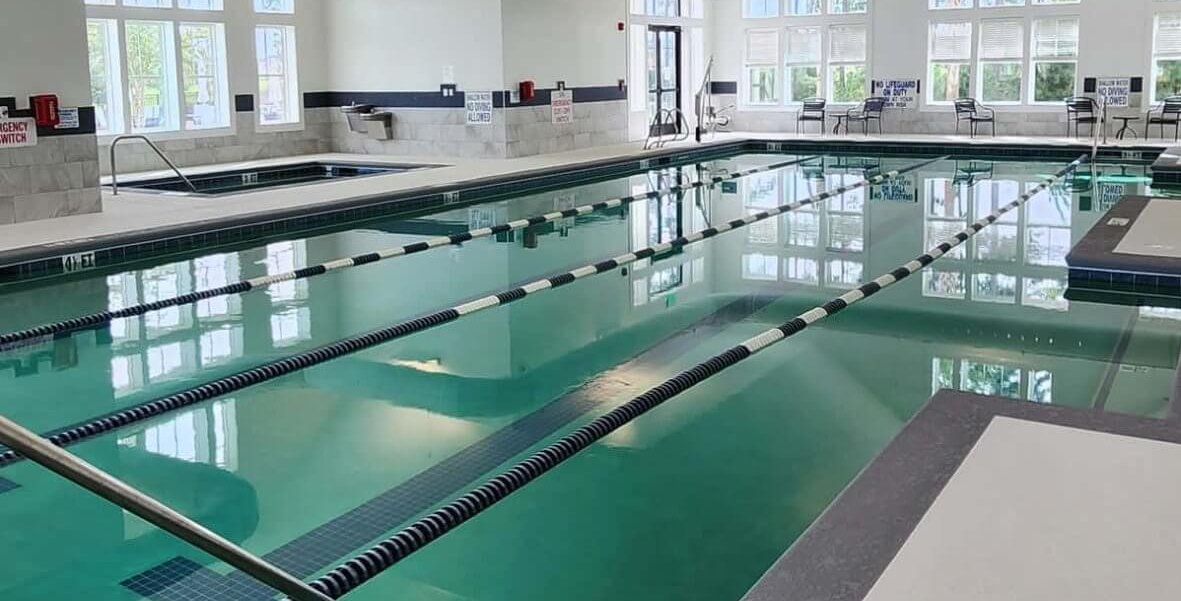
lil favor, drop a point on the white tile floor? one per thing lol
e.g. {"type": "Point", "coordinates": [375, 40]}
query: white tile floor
{"type": "Point", "coordinates": [1039, 512]}
{"type": "Point", "coordinates": [131, 212]}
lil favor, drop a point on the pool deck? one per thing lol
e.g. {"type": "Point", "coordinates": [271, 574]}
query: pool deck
{"type": "Point", "coordinates": [138, 215]}
{"type": "Point", "coordinates": [983, 498]}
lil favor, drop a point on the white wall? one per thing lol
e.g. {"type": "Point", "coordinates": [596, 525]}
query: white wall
{"type": "Point", "coordinates": [576, 41]}
{"type": "Point", "coordinates": [405, 45]}
{"type": "Point", "coordinates": [43, 50]}
{"type": "Point", "coordinates": [1115, 40]}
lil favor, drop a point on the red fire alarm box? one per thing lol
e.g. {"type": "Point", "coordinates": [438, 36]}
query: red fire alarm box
{"type": "Point", "coordinates": [528, 91]}
{"type": "Point", "coordinates": [45, 109]}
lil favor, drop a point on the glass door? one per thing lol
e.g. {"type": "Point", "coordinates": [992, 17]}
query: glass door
{"type": "Point", "coordinates": [664, 77]}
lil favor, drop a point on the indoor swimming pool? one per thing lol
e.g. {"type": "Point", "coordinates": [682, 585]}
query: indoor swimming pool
{"type": "Point", "coordinates": [693, 500]}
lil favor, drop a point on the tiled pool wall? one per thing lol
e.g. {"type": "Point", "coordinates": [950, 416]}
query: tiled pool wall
{"type": "Point", "coordinates": [241, 142]}
{"type": "Point", "coordinates": [57, 177]}
{"type": "Point", "coordinates": [425, 124]}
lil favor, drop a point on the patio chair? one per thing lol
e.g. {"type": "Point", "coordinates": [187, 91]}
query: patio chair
{"type": "Point", "coordinates": [870, 109]}
{"type": "Point", "coordinates": [968, 109]}
{"type": "Point", "coordinates": [813, 110]}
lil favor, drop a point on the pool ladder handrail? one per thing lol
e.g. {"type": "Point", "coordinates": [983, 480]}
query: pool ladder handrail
{"type": "Point", "coordinates": [135, 501]}
{"type": "Point", "coordinates": [159, 153]}
{"type": "Point", "coordinates": [676, 118]}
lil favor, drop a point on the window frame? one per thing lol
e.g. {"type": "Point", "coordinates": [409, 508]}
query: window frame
{"type": "Point", "coordinates": [1034, 60]}
{"type": "Point", "coordinates": [1157, 56]}
{"type": "Point", "coordinates": [982, 61]}
{"type": "Point", "coordinates": [292, 74]}
{"type": "Point", "coordinates": [968, 62]}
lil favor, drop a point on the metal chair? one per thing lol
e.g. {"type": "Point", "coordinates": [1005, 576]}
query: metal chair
{"type": "Point", "coordinates": [968, 109]}
{"type": "Point", "coordinates": [1167, 112]}
{"type": "Point", "coordinates": [813, 110]}
{"type": "Point", "coordinates": [870, 109]}
{"type": "Point", "coordinates": [1079, 110]}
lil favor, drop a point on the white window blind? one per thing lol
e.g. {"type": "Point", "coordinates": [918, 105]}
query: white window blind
{"type": "Point", "coordinates": [1055, 38]}
{"type": "Point", "coordinates": [846, 43]}
{"type": "Point", "coordinates": [803, 45]}
{"type": "Point", "coordinates": [951, 41]}
{"type": "Point", "coordinates": [1168, 35]}
{"type": "Point", "coordinates": [1002, 39]}
{"type": "Point", "coordinates": [762, 46]}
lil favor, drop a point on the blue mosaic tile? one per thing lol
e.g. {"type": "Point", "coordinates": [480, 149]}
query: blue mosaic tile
{"type": "Point", "coordinates": [168, 575]}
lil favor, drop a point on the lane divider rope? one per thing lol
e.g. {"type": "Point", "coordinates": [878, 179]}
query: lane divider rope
{"type": "Point", "coordinates": [385, 554]}
{"type": "Point", "coordinates": [282, 367]}
{"type": "Point", "coordinates": [101, 318]}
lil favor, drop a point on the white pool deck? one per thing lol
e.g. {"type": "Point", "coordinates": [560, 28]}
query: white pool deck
{"type": "Point", "coordinates": [140, 213]}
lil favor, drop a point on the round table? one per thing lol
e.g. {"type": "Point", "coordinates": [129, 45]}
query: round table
{"type": "Point", "coordinates": [841, 120]}
{"type": "Point", "coordinates": [1119, 135]}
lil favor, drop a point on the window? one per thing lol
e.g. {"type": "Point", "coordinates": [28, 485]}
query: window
{"type": "Point", "coordinates": [156, 71]}
{"type": "Point", "coordinates": [102, 39]}
{"type": "Point", "coordinates": [950, 56]}
{"type": "Point", "coordinates": [846, 63]}
{"type": "Point", "coordinates": [200, 4]}
{"type": "Point", "coordinates": [803, 63]}
{"type": "Point", "coordinates": [1002, 50]}
{"type": "Point", "coordinates": [759, 9]}
{"type": "Point", "coordinates": [941, 4]}
{"type": "Point", "coordinates": [800, 8]}
{"type": "Point", "coordinates": [278, 86]}
{"type": "Point", "coordinates": [151, 76]}
{"type": "Point", "coordinates": [275, 6]}
{"type": "Point", "coordinates": [998, 3]}
{"type": "Point", "coordinates": [1055, 58]}
{"type": "Point", "coordinates": [847, 7]}
{"type": "Point", "coordinates": [762, 59]}
{"type": "Point", "coordinates": [664, 8]}
{"type": "Point", "coordinates": [1048, 2]}
{"type": "Point", "coordinates": [206, 92]}
{"type": "Point", "coordinates": [1166, 57]}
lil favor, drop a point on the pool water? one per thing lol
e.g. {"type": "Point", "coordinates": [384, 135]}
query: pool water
{"type": "Point", "coordinates": [691, 501]}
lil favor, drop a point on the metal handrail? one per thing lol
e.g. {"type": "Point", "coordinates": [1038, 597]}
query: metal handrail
{"type": "Point", "coordinates": [160, 153]}
{"type": "Point", "coordinates": [74, 469]}
{"type": "Point", "coordinates": [702, 95]}
{"type": "Point", "coordinates": [677, 119]}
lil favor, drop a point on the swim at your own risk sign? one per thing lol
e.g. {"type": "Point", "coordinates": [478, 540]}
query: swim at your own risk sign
{"type": "Point", "coordinates": [15, 133]}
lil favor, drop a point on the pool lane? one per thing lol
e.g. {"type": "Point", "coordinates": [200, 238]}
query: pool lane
{"type": "Point", "coordinates": [143, 358]}
{"type": "Point", "coordinates": [312, 448]}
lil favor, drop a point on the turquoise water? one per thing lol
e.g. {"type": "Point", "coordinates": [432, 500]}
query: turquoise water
{"type": "Point", "coordinates": [692, 501]}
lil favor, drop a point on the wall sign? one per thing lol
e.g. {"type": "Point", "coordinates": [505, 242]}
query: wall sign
{"type": "Point", "coordinates": [562, 106]}
{"type": "Point", "coordinates": [15, 133]}
{"type": "Point", "coordinates": [68, 119]}
{"type": "Point", "coordinates": [1115, 91]}
{"type": "Point", "coordinates": [899, 93]}
{"type": "Point", "coordinates": [899, 189]}
{"type": "Point", "coordinates": [479, 108]}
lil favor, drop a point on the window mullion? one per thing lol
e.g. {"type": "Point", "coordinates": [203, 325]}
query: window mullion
{"type": "Point", "coordinates": [178, 103]}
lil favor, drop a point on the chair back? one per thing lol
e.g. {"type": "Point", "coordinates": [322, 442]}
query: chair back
{"type": "Point", "coordinates": [965, 106]}
{"type": "Point", "coordinates": [1081, 105]}
{"type": "Point", "coordinates": [874, 105]}
{"type": "Point", "coordinates": [1172, 105]}
{"type": "Point", "coordinates": [814, 106]}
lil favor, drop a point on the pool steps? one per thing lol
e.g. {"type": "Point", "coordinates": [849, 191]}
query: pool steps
{"type": "Point", "coordinates": [99, 319]}
{"type": "Point", "coordinates": [385, 554]}
{"type": "Point", "coordinates": [294, 363]}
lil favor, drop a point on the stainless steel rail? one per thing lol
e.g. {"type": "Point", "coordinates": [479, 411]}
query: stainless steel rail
{"type": "Point", "coordinates": [74, 469]}
{"type": "Point", "coordinates": [156, 149]}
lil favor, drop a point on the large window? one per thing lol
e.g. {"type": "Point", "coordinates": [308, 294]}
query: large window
{"type": "Point", "coordinates": [846, 63]}
{"type": "Point", "coordinates": [951, 61]}
{"type": "Point", "coordinates": [803, 63]}
{"type": "Point", "coordinates": [1166, 57]}
{"type": "Point", "coordinates": [161, 66]}
{"type": "Point", "coordinates": [278, 84]}
{"type": "Point", "coordinates": [847, 7]}
{"type": "Point", "coordinates": [1055, 58]}
{"type": "Point", "coordinates": [760, 9]}
{"type": "Point", "coordinates": [102, 38]}
{"type": "Point", "coordinates": [762, 64]}
{"type": "Point", "coordinates": [1002, 53]}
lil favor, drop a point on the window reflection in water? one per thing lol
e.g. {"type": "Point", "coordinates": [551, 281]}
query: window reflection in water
{"type": "Point", "coordinates": [1017, 259]}
{"type": "Point", "coordinates": [175, 341]}
{"type": "Point", "coordinates": [207, 434]}
{"type": "Point", "coordinates": [993, 379]}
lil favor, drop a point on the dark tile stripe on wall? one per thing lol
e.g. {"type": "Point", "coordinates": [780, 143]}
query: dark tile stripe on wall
{"type": "Point", "coordinates": [723, 87]}
{"type": "Point", "coordinates": [434, 99]}
{"type": "Point", "coordinates": [244, 103]}
{"type": "Point", "coordinates": [86, 120]}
